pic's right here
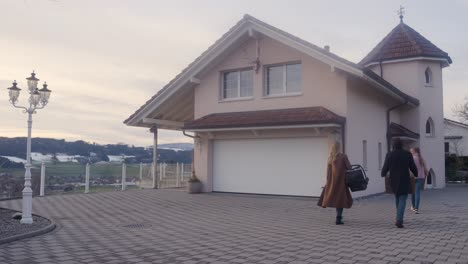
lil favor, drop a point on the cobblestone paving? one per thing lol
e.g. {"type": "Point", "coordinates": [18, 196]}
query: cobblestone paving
{"type": "Point", "coordinates": [167, 226]}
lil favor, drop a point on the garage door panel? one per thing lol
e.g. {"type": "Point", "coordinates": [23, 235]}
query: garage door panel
{"type": "Point", "coordinates": [288, 166]}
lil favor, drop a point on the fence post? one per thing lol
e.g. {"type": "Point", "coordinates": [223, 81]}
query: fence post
{"type": "Point", "coordinates": [86, 190]}
{"type": "Point", "coordinates": [124, 176]}
{"type": "Point", "coordinates": [177, 175]}
{"type": "Point", "coordinates": [141, 172]}
{"type": "Point", "coordinates": [41, 190]}
{"type": "Point", "coordinates": [182, 172]}
{"type": "Point", "coordinates": [153, 174]}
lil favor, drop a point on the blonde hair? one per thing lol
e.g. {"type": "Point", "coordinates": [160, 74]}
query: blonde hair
{"type": "Point", "coordinates": [334, 151]}
{"type": "Point", "coordinates": [421, 160]}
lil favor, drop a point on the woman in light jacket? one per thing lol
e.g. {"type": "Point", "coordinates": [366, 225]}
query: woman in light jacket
{"type": "Point", "coordinates": [420, 179]}
{"type": "Point", "coordinates": [336, 193]}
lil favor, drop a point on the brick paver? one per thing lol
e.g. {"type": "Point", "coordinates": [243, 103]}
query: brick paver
{"type": "Point", "coordinates": [228, 228]}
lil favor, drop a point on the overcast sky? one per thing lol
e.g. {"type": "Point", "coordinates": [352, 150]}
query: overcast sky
{"type": "Point", "coordinates": [104, 59]}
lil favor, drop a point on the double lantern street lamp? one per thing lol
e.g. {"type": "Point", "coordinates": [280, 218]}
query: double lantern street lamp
{"type": "Point", "coordinates": [38, 99]}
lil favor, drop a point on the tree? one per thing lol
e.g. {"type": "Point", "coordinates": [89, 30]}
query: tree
{"type": "Point", "coordinates": [462, 111]}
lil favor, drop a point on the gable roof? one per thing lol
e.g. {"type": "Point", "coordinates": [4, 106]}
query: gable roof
{"type": "Point", "coordinates": [244, 29]}
{"type": "Point", "coordinates": [267, 118]}
{"type": "Point", "coordinates": [397, 130]}
{"type": "Point", "coordinates": [404, 42]}
{"type": "Point", "coordinates": [453, 122]}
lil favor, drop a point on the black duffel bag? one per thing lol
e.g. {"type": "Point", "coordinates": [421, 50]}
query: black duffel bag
{"type": "Point", "coordinates": [356, 178]}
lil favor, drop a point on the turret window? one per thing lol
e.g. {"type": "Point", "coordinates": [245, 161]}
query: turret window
{"type": "Point", "coordinates": [429, 127]}
{"type": "Point", "coordinates": [428, 76]}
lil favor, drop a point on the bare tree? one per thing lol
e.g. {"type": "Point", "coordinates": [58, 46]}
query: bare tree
{"type": "Point", "coordinates": [461, 111]}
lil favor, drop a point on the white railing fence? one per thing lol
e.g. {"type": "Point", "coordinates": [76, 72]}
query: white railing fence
{"type": "Point", "coordinates": [56, 179]}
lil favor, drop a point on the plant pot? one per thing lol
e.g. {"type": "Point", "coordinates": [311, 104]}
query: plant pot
{"type": "Point", "coordinates": [194, 187]}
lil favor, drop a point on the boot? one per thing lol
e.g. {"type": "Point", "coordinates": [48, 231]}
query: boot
{"type": "Point", "coordinates": [339, 220]}
{"type": "Point", "coordinates": [399, 224]}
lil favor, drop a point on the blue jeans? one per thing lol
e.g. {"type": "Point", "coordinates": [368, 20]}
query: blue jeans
{"type": "Point", "coordinates": [416, 196]}
{"type": "Point", "coordinates": [400, 201]}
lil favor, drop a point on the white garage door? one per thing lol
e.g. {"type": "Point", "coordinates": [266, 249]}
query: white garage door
{"type": "Point", "coordinates": [286, 166]}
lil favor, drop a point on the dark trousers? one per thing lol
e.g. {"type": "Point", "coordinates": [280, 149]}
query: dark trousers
{"type": "Point", "coordinates": [339, 213]}
{"type": "Point", "coordinates": [400, 202]}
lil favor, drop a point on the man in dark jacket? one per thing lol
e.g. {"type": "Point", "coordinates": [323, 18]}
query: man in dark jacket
{"type": "Point", "coordinates": [399, 162]}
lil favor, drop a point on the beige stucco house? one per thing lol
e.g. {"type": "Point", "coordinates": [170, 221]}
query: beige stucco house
{"type": "Point", "coordinates": [265, 105]}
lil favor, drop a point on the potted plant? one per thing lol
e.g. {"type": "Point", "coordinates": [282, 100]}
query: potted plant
{"type": "Point", "coordinates": [194, 184]}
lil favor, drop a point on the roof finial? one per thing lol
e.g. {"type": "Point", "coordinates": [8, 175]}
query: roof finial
{"type": "Point", "coordinates": [400, 13]}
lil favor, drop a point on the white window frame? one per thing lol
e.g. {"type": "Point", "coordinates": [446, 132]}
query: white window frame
{"type": "Point", "coordinates": [285, 92]}
{"type": "Point", "coordinates": [428, 84]}
{"type": "Point", "coordinates": [431, 124]}
{"type": "Point", "coordinates": [238, 97]}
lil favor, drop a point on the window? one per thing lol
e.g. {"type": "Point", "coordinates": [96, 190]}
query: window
{"type": "Point", "coordinates": [364, 154]}
{"type": "Point", "coordinates": [237, 84]}
{"type": "Point", "coordinates": [446, 147]}
{"type": "Point", "coordinates": [428, 76]}
{"type": "Point", "coordinates": [380, 155]}
{"type": "Point", "coordinates": [429, 127]}
{"type": "Point", "coordinates": [283, 79]}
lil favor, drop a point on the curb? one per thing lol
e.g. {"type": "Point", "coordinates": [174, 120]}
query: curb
{"type": "Point", "coordinates": [38, 232]}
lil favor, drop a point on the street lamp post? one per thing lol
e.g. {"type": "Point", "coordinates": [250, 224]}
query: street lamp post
{"type": "Point", "coordinates": [38, 99]}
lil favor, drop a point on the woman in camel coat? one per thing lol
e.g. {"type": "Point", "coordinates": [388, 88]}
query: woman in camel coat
{"type": "Point", "coordinates": [336, 193]}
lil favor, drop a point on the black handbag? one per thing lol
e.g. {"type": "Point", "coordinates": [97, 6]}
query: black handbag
{"type": "Point", "coordinates": [356, 178]}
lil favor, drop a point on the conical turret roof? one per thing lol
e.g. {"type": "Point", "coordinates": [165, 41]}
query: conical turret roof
{"type": "Point", "coordinates": [401, 43]}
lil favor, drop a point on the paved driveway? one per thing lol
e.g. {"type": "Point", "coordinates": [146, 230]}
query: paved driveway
{"type": "Point", "coordinates": [167, 226]}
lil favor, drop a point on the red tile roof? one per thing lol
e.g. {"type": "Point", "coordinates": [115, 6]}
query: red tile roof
{"type": "Point", "coordinates": [404, 42]}
{"type": "Point", "coordinates": [263, 118]}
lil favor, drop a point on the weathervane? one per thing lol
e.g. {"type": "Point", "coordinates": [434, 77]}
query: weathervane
{"type": "Point", "coordinates": [401, 12]}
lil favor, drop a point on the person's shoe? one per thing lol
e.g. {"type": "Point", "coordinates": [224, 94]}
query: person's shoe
{"type": "Point", "coordinates": [416, 211]}
{"type": "Point", "coordinates": [339, 221]}
{"type": "Point", "coordinates": [399, 224]}
{"type": "Point", "coordinates": [413, 209]}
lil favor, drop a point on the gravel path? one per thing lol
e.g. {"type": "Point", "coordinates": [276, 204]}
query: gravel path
{"type": "Point", "coordinates": [10, 227]}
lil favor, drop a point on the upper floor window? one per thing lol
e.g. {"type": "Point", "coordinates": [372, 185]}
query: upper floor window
{"type": "Point", "coordinates": [428, 76]}
{"type": "Point", "coordinates": [237, 84]}
{"type": "Point", "coordinates": [283, 79]}
{"type": "Point", "coordinates": [429, 127]}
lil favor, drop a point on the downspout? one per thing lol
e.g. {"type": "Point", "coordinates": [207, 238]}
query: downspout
{"type": "Point", "coordinates": [190, 136]}
{"type": "Point", "coordinates": [389, 137]}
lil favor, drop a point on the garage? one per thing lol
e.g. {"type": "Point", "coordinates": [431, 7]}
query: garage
{"type": "Point", "coordinates": [279, 166]}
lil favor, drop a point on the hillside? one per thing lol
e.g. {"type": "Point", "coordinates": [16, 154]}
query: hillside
{"type": "Point", "coordinates": [16, 147]}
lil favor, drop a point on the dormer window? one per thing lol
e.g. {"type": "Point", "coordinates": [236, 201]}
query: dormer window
{"type": "Point", "coordinates": [429, 127]}
{"type": "Point", "coordinates": [237, 84]}
{"type": "Point", "coordinates": [428, 77]}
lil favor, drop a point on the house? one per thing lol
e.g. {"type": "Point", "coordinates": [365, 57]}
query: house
{"type": "Point", "coordinates": [456, 138]}
{"type": "Point", "coordinates": [265, 106]}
